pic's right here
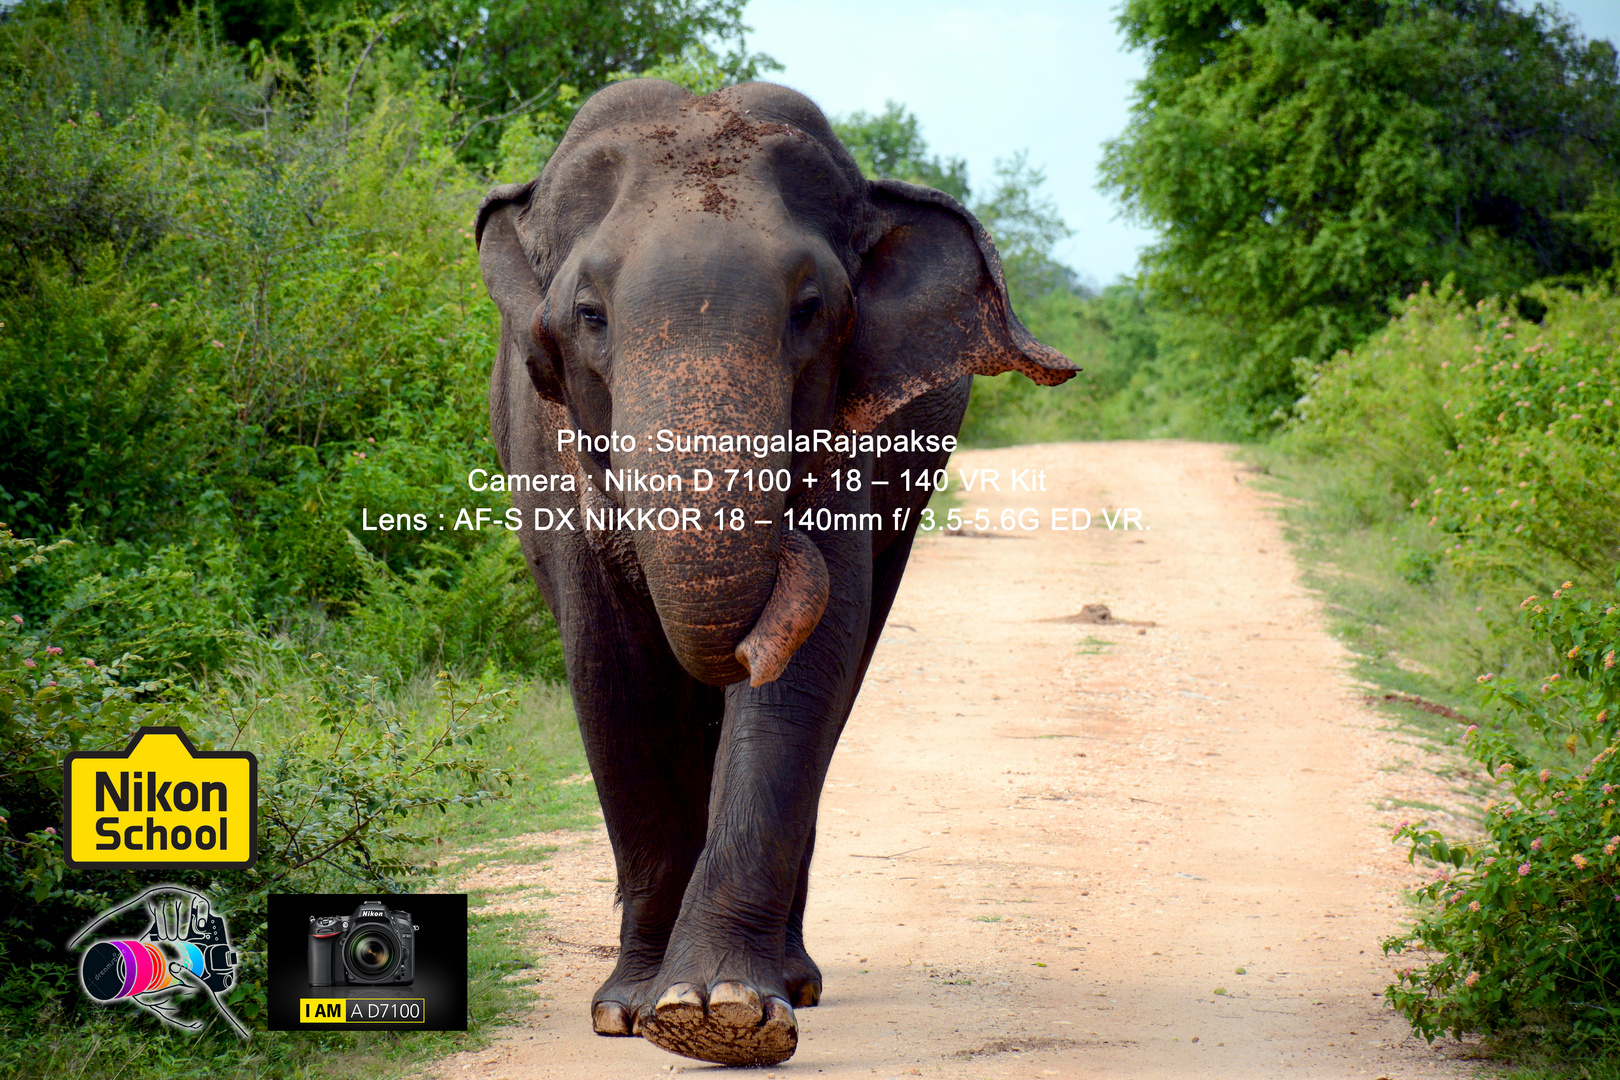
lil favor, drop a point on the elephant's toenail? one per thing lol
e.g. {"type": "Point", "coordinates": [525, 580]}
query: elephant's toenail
{"type": "Point", "coordinates": [610, 1018]}
{"type": "Point", "coordinates": [680, 998]}
{"type": "Point", "coordinates": [735, 1003]}
{"type": "Point", "coordinates": [779, 1014]}
{"type": "Point", "coordinates": [808, 996]}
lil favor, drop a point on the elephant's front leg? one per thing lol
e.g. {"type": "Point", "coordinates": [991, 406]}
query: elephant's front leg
{"type": "Point", "coordinates": [724, 992]}
{"type": "Point", "coordinates": [650, 731]}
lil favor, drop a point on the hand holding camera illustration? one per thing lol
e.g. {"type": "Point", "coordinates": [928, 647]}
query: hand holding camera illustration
{"type": "Point", "coordinates": [185, 949]}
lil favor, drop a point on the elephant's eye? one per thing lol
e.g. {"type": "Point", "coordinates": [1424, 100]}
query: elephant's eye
{"type": "Point", "coordinates": [805, 310]}
{"type": "Point", "coordinates": [591, 315]}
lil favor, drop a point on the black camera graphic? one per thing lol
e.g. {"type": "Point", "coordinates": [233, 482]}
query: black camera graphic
{"type": "Point", "coordinates": [376, 946]}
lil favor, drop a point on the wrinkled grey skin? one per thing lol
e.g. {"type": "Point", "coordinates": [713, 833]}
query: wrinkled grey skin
{"type": "Point", "coordinates": [719, 265]}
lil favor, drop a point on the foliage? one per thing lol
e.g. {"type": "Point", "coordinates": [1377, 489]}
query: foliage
{"type": "Point", "coordinates": [172, 615]}
{"type": "Point", "coordinates": [1379, 406]}
{"type": "Point", "coordinates": [78, 186]}
{"type": "Point", "coordinates": [1518, 938]}
{"type": "Point", "coordinates": [1533, 478]}
{"type": "Point", "coordinates": [93, 56]}
{"type": "Point", "coordinates": [99, 394]}
{"type": "Point", "coordinates": [1504, 434]}
{"type": "Point", "coordinates": [1307, 162]}
{"type": "Point", "coordinates": [491, 66]}
{"type": "Point", "coordinates": [238, 320]}
{"type": "Point", "coordinates": [345, 796]}
{"type": "Point", "coordinates": [1602, 217]}
{"type": "Point", "coordinates": [699, 69]}
{"type": "Point", "coordinates": [491, 613]}
{"type": "Point", "coordinates": [281, 338]}
{"type": "Point", "coordinates": [1026, 225]}
{"type": "Point", "coordinates": [492, 62]}
{"type": "Point", "coordinates": [890, 145]}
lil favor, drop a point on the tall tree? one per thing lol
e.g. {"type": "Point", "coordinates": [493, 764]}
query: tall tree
{"type": "Point", "coordinates": [891, 144]}
{"type": "Point", "coordinates": [1306, 162]}
{"type": "Point", "coordinates": [494, 61]}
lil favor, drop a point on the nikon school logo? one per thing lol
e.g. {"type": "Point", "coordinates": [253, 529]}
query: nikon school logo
{"type": "Point", "coordinates": [160, 802]}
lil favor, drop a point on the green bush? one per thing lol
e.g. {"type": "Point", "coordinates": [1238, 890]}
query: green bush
{"type": "Point", "coordinates": [105, 397]}
{"type": "Point", "coordinates": [1503, 433]}
{"type": "Point", "coordinates": [1533, 477]}
{"type": "Point", "coordinates": [225, 338]}
{"type": "Point", "coordinates": [99, 55]}
{"type": "Point", "coordinates": [488, 612]}
{"type": "Point", "coordinates": [1521, 936]}
{"type": "Point", "coordinates": [1307, 163]}
{"type": "Point", "coordinates": [1377, 409]}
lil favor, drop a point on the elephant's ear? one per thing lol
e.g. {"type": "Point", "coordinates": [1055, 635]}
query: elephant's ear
{"type": "Point", "coordinates": [932, 308]}
{"type": "Point", "coordinates": [512, 277]}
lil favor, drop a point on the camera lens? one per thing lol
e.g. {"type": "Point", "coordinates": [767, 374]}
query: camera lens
{"type": "Point", "coordinates": [119, 969]}
{"type": "Point", "coordinates": [371, 953]}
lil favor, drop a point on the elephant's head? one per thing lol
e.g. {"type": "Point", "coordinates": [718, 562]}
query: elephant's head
{"type": "Point", "coordinates": [719, 266]}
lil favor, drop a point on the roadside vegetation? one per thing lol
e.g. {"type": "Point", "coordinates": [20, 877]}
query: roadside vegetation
{"type": "Point", "coordinates": [240, 320]}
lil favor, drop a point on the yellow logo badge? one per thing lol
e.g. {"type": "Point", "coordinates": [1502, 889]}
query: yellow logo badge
{"type": "Point", "coordinates": [160, 802]}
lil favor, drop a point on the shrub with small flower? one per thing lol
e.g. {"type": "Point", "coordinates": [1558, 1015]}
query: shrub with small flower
{"type": "Point", "coordinates": [1522, 936]}
{"type": "Point", "coordinates": [1537, 435]}
{"type": "Point", "coordinates": [1501, 433]}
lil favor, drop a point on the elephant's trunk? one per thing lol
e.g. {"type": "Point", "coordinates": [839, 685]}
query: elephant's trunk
{"type": "Point", "coordinates": [736, 591]}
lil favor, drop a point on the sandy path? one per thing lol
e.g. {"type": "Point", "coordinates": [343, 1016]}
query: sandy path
{"type": "Point", "coordinates": [1089, 828]}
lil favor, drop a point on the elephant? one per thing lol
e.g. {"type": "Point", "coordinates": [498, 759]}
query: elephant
{"type": "Point", "coordinates": [708, 287]}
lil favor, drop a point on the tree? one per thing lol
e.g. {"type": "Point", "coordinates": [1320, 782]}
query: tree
{"type": "Point", "coordinates": [1308, 162]}
{"type": "Point", "coordinates": [1026, 225]}
{"type": "Point", "coordinates": [891, 145]}
{"type": "Point", "coordinates": [494, 62]}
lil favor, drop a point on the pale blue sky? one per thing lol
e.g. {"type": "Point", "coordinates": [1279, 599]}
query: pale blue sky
{"type": "Point", "coordinates": [990, 77]}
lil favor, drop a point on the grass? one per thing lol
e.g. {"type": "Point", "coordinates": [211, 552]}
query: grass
{"type": "Point", "coordinates": [542, 743]}
{"type": "Point", "coordinates": [1534, 1067]}
{"type": "Point", "coordinates": [1413, 629]}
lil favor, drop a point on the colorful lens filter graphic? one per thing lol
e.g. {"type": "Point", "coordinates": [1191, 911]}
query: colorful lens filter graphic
{"type": "Point", "coordinates": [121, 969]}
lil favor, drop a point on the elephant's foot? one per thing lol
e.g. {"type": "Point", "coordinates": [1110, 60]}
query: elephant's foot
{"type": "Point", "coordinates": [802, 976]}
{"type": "Point", "coordinates": [732, 1024]}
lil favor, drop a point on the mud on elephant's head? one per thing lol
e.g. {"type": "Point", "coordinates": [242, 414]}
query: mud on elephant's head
{"type": "Point", "coordinates": [719, 266]}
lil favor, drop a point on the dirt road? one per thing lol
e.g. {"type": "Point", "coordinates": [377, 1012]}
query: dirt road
{"type": "Point", "coordinates": [1071, 849]}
